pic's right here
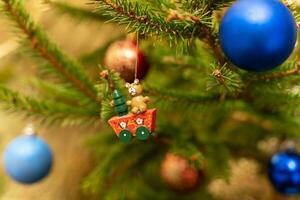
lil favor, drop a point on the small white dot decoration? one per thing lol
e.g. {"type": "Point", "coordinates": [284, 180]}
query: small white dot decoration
{"type": "Point", "coordinates": [139, 121]}
{"type": "Point", "coordinates": [123, 124]}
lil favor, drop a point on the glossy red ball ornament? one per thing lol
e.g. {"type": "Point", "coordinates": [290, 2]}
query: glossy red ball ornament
{"type": "Point", "coordinates": [125, 57]}
{"type": "Point", "coordinates": [178, 173]}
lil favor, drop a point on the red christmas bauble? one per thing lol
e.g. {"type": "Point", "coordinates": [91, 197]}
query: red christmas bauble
{"type": "Point", "coordinates": [178, 173]}
{"type": "Point", "coordinates": [125, 57]}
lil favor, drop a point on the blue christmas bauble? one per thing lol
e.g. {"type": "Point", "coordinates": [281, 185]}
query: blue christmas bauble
{"type": "Point", "coordinates": [27, 159]}
{"type": "Point", "coordinates": [284, 172]}
{"type": "Point", "coordinates": [258, 35]}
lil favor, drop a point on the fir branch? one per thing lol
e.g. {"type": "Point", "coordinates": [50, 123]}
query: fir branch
{"type": "Point", "coordinates": [212, 42]}
{"type": "Point", "coordinates": [175, 96]}
{"type": "Point", "coordinates": [277, 75]}
{"type": "Point", "coordinates": [284, 73]}
{"type": "Point", "coordinates": [61, 92]}
{"type": "Point", "coordinates": [226, 80]}
{"type": "Point", "coordinates": [248, 118]}
{"type": "Point", "coordinates": [146, 21]}
{"type": "Point", "coordinates": [47, 110]}
{"type": "Point", "coordinates": [69, 68]}
{"type": "Point", "coordinates": [111, 81]}
{"type": "Point", "coordinates": [209, 5]}
{"type": "Point", "coordinates": [107, 175]}
{"type": "Point", "coordinates": [218, 4]}
{"type": "Point", "coordinates": [107, 110]}
{"type": "Point", "coordinates": [190, 5]}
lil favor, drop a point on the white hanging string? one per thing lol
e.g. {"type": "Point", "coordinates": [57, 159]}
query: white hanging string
{"type": "Point", "coordinates": [137, 56]}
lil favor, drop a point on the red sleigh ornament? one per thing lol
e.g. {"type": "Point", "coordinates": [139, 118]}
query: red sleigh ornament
{"type": "Point", "coordinates": [140, 125]}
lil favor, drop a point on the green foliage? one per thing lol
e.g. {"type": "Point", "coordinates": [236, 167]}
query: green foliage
{"type": "Point", "coordinates": [106, 110]}
{"type": "Point", "coordinates": [46, 111]}
{"type": "Point", "coordinates": [224, 80]}
{"type": "Point", "coordinates": [116, 166]}
{"type": "Point", "coordinates": [58, 63]}
{"type": "Point", "coordinates": [208, 5]}
{"type": "Point", "coordinates": [208, 110]}
{"type": "Point", "coordinates": [142, 19]}
{"type": "Point", "coordinates": [177, 96]}
{"type": "Point", "coordinates": [60, 92]}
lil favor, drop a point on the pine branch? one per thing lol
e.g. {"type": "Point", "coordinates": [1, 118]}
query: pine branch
{"type": "Point", "coordinates": [62, 93]}
{"type": "Point", "coordinates": [47, 110]}
{"type": "Point", "coordinates": [69, 68]}
{"type": "Point", "coordinates": [209, 5]}
{"type": "Point", "coordinates": [284, 73]}
{"type": "Point", "coordinates": [146, 21]}
{"type": "Point", "coordinates": [190, 5]}
{"type": "Point", "coordinates": [111, 81]}
{"type": "Point", "coordinates": [107, 175]}
{"type": "Point", "coordinates": [278, 75]}
{"type": "Point", "coordinates": [225, 80]}
{"type": "Point", "coordinates": [218, 4]}
{"type": "Point", "coordinates": [107, 110]}
{"type": "Point", "coordinates": [176, 96]}
{"type": "Point", "coordinates": [212, 42]}
{"type": "Point", "coordinates": [166, 98]}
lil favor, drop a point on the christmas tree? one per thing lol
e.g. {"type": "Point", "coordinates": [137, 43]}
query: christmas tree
{"type": "Point", "coordinates": [222, 74]}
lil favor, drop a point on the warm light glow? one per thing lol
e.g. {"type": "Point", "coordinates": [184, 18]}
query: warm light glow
{"type": "Point", "coordinates": [129, 53]}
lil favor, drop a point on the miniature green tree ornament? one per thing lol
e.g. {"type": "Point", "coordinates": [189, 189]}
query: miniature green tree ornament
{"type": "Point", "coordinates": [119, 102]}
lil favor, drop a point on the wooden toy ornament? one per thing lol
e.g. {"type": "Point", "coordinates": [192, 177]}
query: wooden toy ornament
{"type": "Point", "coordinates": [138, 103]}
{"type": "Point", "coordinates": [140, 121]}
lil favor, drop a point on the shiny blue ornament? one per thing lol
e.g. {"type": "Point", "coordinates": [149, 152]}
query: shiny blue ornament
{"type": "Point", "coordinates": [258, 35]}
{"type": "Point", "coordinates": [27, 159]}
{"type": "Point", "coordinates": [284, 172]}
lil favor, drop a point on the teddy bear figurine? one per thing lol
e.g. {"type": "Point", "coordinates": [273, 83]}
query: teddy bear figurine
{"type": "Point", "coordinates": [138, 103]}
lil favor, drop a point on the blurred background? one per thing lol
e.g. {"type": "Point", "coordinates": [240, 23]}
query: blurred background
{"type": "Point", "coordinates": [17, 70]}
{"type": "Point", "coordinates": [67, 143]}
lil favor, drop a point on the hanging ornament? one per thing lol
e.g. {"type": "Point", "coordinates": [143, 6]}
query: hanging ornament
{"type": "Point", "coordinates": [124, 57]}
{"type": "Point", "coordinates": [178, 173]}
{"type": "Point", "coordinates": [258, 35]}
{"type": "Point", "coordinates": [284, 172]}
{"type": "Point", "coordinates": [140, 122]}
{"type": "Point", "coordinates": [27, 159]}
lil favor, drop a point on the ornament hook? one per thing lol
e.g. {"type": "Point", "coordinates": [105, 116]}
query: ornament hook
{"type": "Point", "coordinates": [29, 129]}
